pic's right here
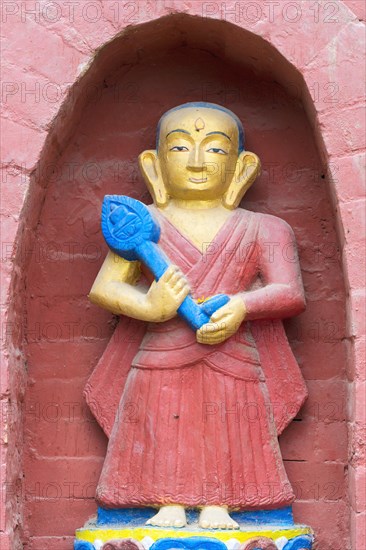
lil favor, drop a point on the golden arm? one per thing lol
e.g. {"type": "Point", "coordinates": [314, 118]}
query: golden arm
{"type": "Point", "coordinates": [114, 289]}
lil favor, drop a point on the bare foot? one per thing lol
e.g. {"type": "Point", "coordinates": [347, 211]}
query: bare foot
{"type": "Point", "coordinates": [169, 516]}
{"type": "Point", "coordinates": [216, 517]}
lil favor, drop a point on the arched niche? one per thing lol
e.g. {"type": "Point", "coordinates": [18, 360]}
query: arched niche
{"type": "Point", "coordinates": [108, 119]}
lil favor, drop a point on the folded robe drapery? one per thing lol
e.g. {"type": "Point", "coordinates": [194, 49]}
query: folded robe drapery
{"type": "Point", "coordinates": [258, 357]}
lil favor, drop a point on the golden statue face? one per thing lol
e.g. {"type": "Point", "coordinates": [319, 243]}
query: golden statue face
{"type": "Point", "coordinates": [198, 152]}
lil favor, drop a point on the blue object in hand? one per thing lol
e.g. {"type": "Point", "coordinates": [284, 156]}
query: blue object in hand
{"type": "Point", "coordinates": [132, 232]}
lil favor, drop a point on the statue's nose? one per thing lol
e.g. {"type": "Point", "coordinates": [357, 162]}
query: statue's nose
{"type": "Point", "coordinates": [196, 159]}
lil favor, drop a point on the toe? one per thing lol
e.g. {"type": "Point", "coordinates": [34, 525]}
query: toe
{"type": "Point", "coordinates": [204, 524]}
{"type": "Point", "coordinates": [178, 523]}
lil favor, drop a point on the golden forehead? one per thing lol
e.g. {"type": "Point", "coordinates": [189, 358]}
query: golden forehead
{"type": "Point", "coordinates": [199, 120]}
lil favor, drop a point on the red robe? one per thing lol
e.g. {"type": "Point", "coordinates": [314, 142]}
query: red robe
{"type": "Point", "coordinates": [194, 424]}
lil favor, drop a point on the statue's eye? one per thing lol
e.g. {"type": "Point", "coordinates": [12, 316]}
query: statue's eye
{"type": "Point", "coordinates": [179, 148]}
{"type": "Point", "coordinates": [217, 150]}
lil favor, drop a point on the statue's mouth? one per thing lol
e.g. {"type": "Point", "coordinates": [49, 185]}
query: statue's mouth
{"type": "Point", "coordinates": [198, 180]}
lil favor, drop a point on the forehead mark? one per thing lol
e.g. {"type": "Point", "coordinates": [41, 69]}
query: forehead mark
{"type": "Point", "coordinates": [220, 133]}
{"type": "Point", "coordinates": [199, 124]}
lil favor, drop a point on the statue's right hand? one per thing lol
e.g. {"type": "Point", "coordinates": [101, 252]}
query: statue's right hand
{"type": "Point", "coordinates": [166, 295]}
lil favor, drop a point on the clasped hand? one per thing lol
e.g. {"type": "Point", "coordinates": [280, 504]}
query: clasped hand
{"type": "Point", "coordinates": [166, 295]}
{"type": "Point", "coordinates": [223, 323]}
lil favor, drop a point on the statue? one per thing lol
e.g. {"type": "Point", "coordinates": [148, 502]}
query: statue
{"type": "Point", "coordinates": [193, 416]}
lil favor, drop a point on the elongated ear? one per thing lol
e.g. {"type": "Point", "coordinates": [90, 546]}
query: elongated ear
{"type": "Point", "coordinates": [248, 167]}
{"type": "Point", "coordinates": [150, 169]}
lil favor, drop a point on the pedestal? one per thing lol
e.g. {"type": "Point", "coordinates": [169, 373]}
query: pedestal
{"type": "Point", "coordinates": [126, 530]}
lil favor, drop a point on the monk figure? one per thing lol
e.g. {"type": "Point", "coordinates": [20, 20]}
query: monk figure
{"type": "Point", "coordinates": [193, 417]}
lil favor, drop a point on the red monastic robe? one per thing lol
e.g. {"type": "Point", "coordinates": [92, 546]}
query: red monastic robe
{"type": "Point", "coordinates": [194, 424]}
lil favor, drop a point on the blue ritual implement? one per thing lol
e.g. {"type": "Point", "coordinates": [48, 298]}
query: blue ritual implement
{"type": "Point", "coordinates": [131, 231]}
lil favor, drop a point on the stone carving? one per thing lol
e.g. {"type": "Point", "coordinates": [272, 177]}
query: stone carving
{"type": "Point", "coordinates": [193, 416]}
{"type": "Point", "coordinates": [303, 542]}
{"type": "Point", "coordinates": [83, 545]}
{"type": "Point", "coordinates": [126, 544]}
{"type": "Point", "coordinates": [261, 543]}
{"type": "Point", "coordinates": [192, 543]}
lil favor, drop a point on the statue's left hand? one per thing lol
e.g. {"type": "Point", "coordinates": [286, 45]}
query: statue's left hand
{"type": "Point", "coordinates": [223, 323]}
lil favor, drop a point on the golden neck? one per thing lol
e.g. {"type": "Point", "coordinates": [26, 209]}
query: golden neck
{"type": "Point", "coordinates": [195, 204]}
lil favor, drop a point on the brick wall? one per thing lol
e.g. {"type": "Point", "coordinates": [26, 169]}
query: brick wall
{"type": "Point", "coordinates": [74, 123]}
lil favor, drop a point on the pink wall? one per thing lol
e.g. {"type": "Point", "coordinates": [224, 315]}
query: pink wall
{"type": "Point", "coordinates": [50, 275]}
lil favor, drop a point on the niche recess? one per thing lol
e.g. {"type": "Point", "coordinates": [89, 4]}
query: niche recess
{"type": "Point", "coordinates": [109, 117]}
